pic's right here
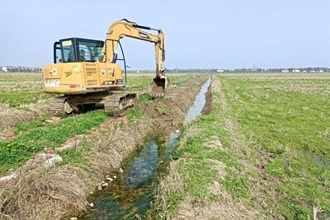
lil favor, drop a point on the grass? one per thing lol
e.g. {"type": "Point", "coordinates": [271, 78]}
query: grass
{"type": "Point", "coordinates": [145, 97]}
{"type": "Point", "coordinates": [274, 129]}
{"type": "Point", "coordinates": [31, 137]}
{"type": "Point", "coordinates": [142, 82]}
{"type": "Point", "coordinates": [196, 164]}
{"type": "Point", "coordinates": [37, 135]}
{"type": "Point", "coordinates": [133, 114]}
{"type": "Point", "coordinates": [285, 117]}
{"type": "Point", "coordinates": [21, 88]}
{"type": "Point", "coordinates": [24, 88]}
{"type": "Point", "coordinates": [77, 156]}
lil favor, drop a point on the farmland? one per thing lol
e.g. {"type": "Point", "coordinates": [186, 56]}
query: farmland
{"type": "Point", "coordinates": [261, 153]}
{"type": "Point", "coordinates": [20, 88]}
{"type": "Point", "coordinates": [36, 134]}
{"type": "Point", "coordinates": [82, 141]}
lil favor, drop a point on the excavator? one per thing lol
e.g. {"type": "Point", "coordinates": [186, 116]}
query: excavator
{"type": "Point", "coordinates": [86, 72]}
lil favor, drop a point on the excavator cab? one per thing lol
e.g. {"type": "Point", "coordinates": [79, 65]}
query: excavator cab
{"type": "Point", "coordinates": [77, 50]}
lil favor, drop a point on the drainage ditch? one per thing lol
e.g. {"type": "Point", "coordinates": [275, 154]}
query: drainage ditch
{"type": "Point", "coordinates": [130, 196]}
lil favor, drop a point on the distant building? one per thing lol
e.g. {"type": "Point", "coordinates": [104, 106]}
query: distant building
{"type": "Point", "coordinates": [296, 71]}
{"type": "Point", "coordinates": [4, 69]}
{"type": "Point", "coordinates": [220, 70]}
{"type": "Point", "coordinates": [285, 71]}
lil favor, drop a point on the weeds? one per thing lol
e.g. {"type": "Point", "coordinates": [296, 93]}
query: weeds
{"type": "Point", "coordinates": [77, 156]}
{"type": "Point", "coordinates": [144, 97]}
{"type": "Point", "coordinates": [285, 117]}
{"type": "Point", "coordinates": [133, 113]}
{"type": "Point", "coordinates": [38, 136]}
{"type": "Point", "coordinates": [273, 132]}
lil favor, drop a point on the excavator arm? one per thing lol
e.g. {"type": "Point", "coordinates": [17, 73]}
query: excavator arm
{"type": "Point", "coordinates": [125, 28]}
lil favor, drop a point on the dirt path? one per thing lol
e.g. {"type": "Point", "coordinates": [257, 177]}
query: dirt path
{"type": "Point", "coordinates": [62, 191]}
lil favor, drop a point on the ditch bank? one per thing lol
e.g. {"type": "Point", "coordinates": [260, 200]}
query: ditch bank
{"type": "Point", "coordinates": [131, 196]}
{"type": "Point", "coordinates": [62, 191]}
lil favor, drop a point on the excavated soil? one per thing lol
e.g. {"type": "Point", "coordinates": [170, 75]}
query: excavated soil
{"type": "Point", "coordinates": [60, 192]}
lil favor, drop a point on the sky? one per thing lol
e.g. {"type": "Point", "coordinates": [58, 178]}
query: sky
{"type": "Point", "coordinates": [198, 33]}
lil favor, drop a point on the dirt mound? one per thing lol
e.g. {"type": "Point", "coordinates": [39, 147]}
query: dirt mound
{"type": "Point", "coordinates": [167, 114]}
{"type": "Point", "coordinates": [61, 191]}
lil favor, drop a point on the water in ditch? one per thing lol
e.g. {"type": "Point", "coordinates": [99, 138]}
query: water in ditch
{"type": "Point", "coordinates": [131, 194]}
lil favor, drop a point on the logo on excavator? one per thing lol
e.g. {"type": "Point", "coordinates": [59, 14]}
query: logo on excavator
{"type": "Point", "coordinates": [68, 73]}
{"type": "Point", "coordinates": [53, 72]}
{"type": "Point", "coordinates": [102, 72]}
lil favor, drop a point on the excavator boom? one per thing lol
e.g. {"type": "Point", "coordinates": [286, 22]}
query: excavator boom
{"type": "Point", "coordinates": [125, 28]}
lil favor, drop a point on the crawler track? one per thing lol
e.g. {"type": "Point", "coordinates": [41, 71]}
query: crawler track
{"type": "Point", "coordinates": [56, 106]}
{"type": "Point", "coordinates": [116, 104]}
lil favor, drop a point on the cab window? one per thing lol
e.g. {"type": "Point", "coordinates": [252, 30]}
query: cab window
{"type": "Point", "coordinates": [68, 53]}
{"type": "Point", "coordinates": [90, 51]}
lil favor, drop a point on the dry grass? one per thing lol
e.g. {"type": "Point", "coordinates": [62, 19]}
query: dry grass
{"type": "Point", "coordinates": [62, 191]}
{"type": "Point", "coordinates": [12, 117]}
{"type": "Point", "coordinates": [222, 206]}
{"type": "Point", "coordinates": [225, 208]}
{"type": "Point", "coordinates": [171, 184]}
{"type": "Point", "coordinates": [47, 195]}
{"type": "Point", "coordinates": [114, 145]}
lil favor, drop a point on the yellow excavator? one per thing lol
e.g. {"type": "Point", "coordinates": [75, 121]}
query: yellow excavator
{"type": "Point", "coordinates": [87, 72]}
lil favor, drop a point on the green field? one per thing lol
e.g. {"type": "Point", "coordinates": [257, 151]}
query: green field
{"type": "Point", "coordinates": [271, 132]}
{"type": "Point", "coordinates": [288, 118]}
{"type": "Point", "coordinates": [17, 89]}
{"type": "Point", "coordinates": [21, 88]}
{"type": "Point", "coordinates": [266, 142]}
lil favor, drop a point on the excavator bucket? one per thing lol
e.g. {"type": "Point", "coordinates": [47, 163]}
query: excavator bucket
{"type": "Point", "coordinates": [159, 87]}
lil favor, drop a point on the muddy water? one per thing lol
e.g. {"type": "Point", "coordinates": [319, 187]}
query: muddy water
{"type": "Point", "coordinates": [199, 103]}
{"type": "Point", "coordinates": [131, 194]}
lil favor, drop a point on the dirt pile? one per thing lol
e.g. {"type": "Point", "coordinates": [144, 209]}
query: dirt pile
{"type": "Point", "coordinates": [167, 114]}
{"type": "Point", "coordinates": [62, 191]}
